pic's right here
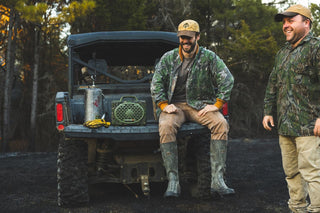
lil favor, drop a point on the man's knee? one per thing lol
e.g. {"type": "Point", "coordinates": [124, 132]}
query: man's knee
{"type": "Point", "coordinates": [167, 125]}
{"type": "Point", "coordinates": [220, 130]}
{"type": "Point", "coordinates": [168, 129]}
{"type": "Point", "coordinates": [221, 126]}
{"type": "Point", "coordinates": [167, 132]}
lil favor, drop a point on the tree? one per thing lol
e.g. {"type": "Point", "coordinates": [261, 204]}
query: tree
{"type": "Point", "coordinates": [315, 9]}
{"type": "Point", "coordinates": [171, 13]}
{"type": "Point", "coordinates": [243, 34]}
{"type": "Point", "coordinates": [34, 14]}
{"type": "Point", "coordinates": [214, 17]}
{"type": "Point", "coordinates": [44, 24]}
{"type": "Point", "coordinates": [40, 29]}
{"type": "Point", "coordinates": [115, 15]}
{"type": "Point", "coordinates": [4, 20]}
{"type": "Point", "coordinates": [253, 40]}
{"type": "Point", "coordinates": [9, 64]}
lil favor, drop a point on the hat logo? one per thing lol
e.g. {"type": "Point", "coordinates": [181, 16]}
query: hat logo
{"type": "Point", "coordinates": [186, 25]}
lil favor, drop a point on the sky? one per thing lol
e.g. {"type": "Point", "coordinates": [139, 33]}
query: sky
{"type": "Point", "coordinates": [305, 3]}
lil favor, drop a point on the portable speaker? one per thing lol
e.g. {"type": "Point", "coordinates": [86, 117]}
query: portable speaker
{"type": "Point", "coordinates": [128, 111]}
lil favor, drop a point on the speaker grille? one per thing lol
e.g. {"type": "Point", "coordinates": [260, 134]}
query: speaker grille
{"type": "Point", "coordinates": [129, 113]}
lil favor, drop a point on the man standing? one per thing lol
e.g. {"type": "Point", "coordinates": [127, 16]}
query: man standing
{"type": "Point", "coordinates": [294, 92]}
{"type": "Point", "coordinates": [183, 88]}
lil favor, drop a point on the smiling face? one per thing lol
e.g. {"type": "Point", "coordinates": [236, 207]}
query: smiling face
{"type": "Point", "coordinates": [295, 29]}
{"type": "Point", "coordinates": [188, 44]}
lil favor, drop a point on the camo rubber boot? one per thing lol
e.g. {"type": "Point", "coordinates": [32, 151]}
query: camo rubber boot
{"type": "Point", "coordinates": [169, 153]}
{"type": "Point", "coordinates": [218, 156]}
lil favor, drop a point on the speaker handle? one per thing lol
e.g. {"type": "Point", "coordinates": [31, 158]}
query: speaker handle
{"type": "Point", "coordinates": [129, 96]}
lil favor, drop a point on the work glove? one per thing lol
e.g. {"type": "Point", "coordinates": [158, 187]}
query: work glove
{"type": "Point", "coordinates": [96, 123]}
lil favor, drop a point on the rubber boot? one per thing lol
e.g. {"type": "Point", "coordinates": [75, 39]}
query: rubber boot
{"type": "Point", "coordinates": [218, 156]}
{"type": "Point", "coordinates": [169, 153]}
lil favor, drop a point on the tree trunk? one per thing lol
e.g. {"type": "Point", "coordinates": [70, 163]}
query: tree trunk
{"type": "Point", "coordinates": [166, 15]}
{"type": "Point", "coordinates": [33, 123]}
{"type": "Point", "coordinates": [8, 82]}
{"type": "Point", "coordinates": [2, 74]}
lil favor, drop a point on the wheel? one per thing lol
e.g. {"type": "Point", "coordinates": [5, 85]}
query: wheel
{"type": "Point", "coordinates": [200, 146]}
{"type": "Point", "coordinates": [72, 172]}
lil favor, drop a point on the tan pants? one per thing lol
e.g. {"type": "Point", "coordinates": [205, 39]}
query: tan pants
{"type": "Point", "coordinates": [301, 164]}
{"type": "Point", "coordinates": [169, 124]}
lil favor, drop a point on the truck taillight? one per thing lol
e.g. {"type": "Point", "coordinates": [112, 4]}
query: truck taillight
{"type": "Point", "coordinates": [59, 111]}
{"type": "Point", "coordinates": [60, 127]}
{"type": "Point", "coordinates": [225, 109]}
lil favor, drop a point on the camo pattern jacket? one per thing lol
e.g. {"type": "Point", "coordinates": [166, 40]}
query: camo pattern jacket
{"type": "Point", "coordinates": [207, 73]}
{"type": "Point", "coordinates": [293, 89]}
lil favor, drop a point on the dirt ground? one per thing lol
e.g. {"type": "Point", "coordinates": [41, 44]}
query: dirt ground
{"type": "Point", "coordinates": [28, 184]}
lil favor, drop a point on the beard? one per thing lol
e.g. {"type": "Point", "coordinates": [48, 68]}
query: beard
{"type": "Point", "coordinates": [295, 37]}
{"type": "Point", "coordinates": [193, 45]}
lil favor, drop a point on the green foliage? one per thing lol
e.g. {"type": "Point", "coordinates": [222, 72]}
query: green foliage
{"type": "Point", "coordinates": [214, 16]}
{"type": "Point", "coordinates": [48, 18]}
{"type": "Point", "coordinates": [76, 9]}
{"type": "Point", "coordinates": [242, 32]}
{"type": "Point", "coordinates": [250, 52]}
{"type": "Point", "coordinates": [245, 36]}
{"type": "Point", "coordinates": [115, 15]}
{"type": "Point", "coordinates": [9, 3]}
{"type": "Point", "coordinates": [255, 14]}
{"type": "Point", "coordinates": [127, 15]}
{"type": "Point", "coordinates": [33, 13]}
{"type": "Point", "coordinates": [315, 9]}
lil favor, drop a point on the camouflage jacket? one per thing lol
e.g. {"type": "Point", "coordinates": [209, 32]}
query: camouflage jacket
{"type": "Point", "coordinates": [207, 73]}
{"type": "Point", "coordinates": [293, 89]}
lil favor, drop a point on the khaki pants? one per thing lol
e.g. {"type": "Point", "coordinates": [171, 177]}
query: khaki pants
{"type": "Point", "coordinates": [169, 124]}
{"type": "Point", "coordinates": [301, 164]}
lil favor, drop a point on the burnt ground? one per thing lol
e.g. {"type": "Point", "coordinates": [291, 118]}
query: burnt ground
{"type": "Point", "coordinates": [28, 184]}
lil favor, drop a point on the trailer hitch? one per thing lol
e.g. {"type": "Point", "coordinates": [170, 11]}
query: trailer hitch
{"type": "Point", "coordinates": [144, 179]}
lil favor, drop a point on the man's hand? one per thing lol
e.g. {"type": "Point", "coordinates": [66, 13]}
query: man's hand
{"type": "Point", "coordinates": [208, 108]}
{"type": "Point", "coordinates": [316, 129]}
{"type": "Point", "coordinates": [266, 120]}
{"type": "Point", "coordinates": [171, 108]}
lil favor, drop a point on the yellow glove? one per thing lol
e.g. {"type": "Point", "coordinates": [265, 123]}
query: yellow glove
{"type": "Point", "coordinates": [96, 123]}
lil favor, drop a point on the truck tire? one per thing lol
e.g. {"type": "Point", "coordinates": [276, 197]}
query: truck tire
{"type": "Point", "coordinates": [202, 167]}
{"type": "Point", "coordinates": [72, 172]}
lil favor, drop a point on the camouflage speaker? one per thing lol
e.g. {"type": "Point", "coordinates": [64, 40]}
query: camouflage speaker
{"type": "Point", "coordinates": [128, 111]}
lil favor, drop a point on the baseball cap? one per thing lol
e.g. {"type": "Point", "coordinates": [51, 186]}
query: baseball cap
{"type": "Point", "coordinates": [188, 28]}
{"type": "Point", "coordinates": [293, 11]}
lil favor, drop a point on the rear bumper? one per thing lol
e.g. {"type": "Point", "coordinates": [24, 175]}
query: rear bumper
{"type": "Point", "coordinates": [147, 132]}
